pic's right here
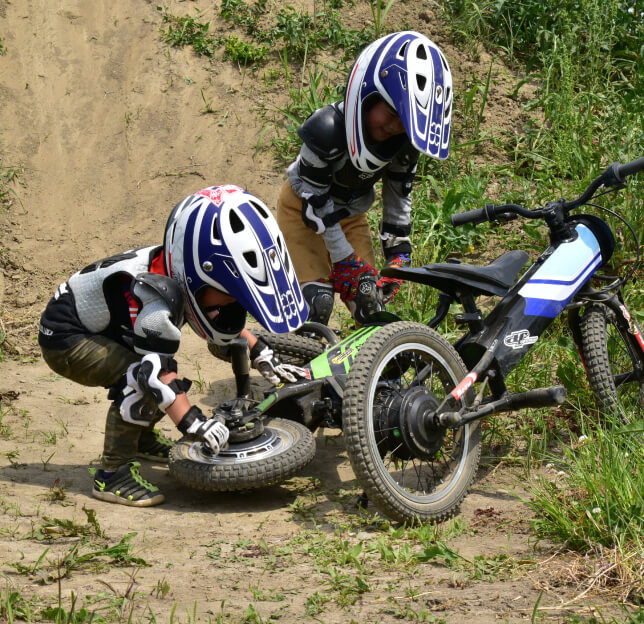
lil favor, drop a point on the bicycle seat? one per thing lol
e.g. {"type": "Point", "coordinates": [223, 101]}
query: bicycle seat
{"type": "Point", "coordinates": [492, 279]}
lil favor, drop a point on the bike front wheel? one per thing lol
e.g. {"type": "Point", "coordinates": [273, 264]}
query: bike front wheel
{"type": "Point", "coordinates": [283, 448]}
{"type": "Point", "coordinates": [409, 470]}
{"type": "Point", "coordinates": [613, 365]}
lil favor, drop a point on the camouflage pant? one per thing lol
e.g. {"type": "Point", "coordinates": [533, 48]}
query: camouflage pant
{"type": "Point", "coordinates": [99, 361]}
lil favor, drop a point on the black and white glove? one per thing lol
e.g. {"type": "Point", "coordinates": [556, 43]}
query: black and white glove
{"type": "Point", "coordinates": [212, 431]}
{"type": "Point", "coordinates": [270, 367]}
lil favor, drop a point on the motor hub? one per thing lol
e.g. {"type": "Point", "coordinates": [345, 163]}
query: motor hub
{"type": "Point", "coordinates": [401, 426]}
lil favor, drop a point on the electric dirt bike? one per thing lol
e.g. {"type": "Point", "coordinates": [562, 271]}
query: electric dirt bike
{"type": "Point", "coordinates": [410, 404]}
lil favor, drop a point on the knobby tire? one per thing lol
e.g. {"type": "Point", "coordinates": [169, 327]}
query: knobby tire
{"type": "Point", "coordinates": [192, 466]}
{"type": "Point", "coordinates": [609, 355]}
{"type": "Point", "coordinates": [433, 485]}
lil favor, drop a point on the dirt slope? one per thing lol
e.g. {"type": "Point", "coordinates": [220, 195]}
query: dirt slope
{"type": "Point", "coordinates": [108, 127]}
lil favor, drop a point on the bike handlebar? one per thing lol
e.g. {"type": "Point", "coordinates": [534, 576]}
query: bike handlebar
{"type": "Point", "coordinates": [631, 168]}
{"type": "Point", "coordinates": [490, 212]}
{"type": "Point", "coordinates": [613, 175]}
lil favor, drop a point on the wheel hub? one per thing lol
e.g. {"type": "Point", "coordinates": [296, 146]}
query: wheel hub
{"type": "Point", "coordinates": [400, 425]}
{"type": "Point", "coordinates": [421, 440]}
{"type": "Point", "coordinates": [247, 432]}
{"type": "Point", "coordinates": [268, 443]}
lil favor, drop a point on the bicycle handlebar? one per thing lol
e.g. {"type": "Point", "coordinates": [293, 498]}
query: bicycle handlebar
{"type": "Point", "coordinates": [631, 168]}
{"type": "Point", "coordinates": [490, 212]}
{"type": "Point", "coordinates": [613, 175]}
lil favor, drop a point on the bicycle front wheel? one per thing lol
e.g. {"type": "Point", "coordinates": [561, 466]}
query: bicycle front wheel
{"type": "Point", "coordinates": [410, 469]}
{"type": "Point", "coordinates": [283, 449]}
{"type": "Point", "coordinates": [613, 365]}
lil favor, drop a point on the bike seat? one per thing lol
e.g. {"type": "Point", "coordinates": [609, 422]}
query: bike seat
{"type": "Point", "coordinates": [492, 279]}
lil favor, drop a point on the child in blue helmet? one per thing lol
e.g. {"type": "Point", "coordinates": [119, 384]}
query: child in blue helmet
{"type": "Point", "coordinates": [397, 105]}
{"type": "Point", "coordinates": [117, 323]}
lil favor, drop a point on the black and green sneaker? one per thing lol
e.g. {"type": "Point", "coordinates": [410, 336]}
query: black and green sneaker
{"type": "Point", "coordinates": [154, 446]}
{"type": "Point", "coordinates": [126, 486]}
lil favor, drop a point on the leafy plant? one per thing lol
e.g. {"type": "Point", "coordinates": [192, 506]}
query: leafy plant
{"type": "Point", "coordinates": [14, 607]}
{"type": "Point", "coordinates": [243, 53]}
{"type": "Point", "coordinates": [187, 30]}
{"type": "Point", "coordinates": [379, 14]}
{"type": "Point", "coordinates": [9, 176]}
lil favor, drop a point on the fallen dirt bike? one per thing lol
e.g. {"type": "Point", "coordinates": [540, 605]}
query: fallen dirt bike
{"type": "Point", "coordinates": [409, 403]}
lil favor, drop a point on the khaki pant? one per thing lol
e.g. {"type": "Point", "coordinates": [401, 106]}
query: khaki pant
{"type": "Point", "coordinates": [99, 361]}
{"type": "Point", "coordinates": [306, 248]}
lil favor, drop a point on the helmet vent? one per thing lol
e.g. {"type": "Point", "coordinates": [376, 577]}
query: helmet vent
{"type": "Point", "coordinates": [448, 108]}
{"type": "Point", "coordinates": [421, 52]}
{"type": "Point", "coordinates": [403, 48]}
{"type": "Point", "coordinates": [251, 258]}
{"type": "Point", "coordinates": [421, 81]}
{"type": "Point", "coordinates": [259, 209]}
{"type": "Point", "coordinates": [236, 223]}
{"type": "Point", "coordinates": [231, 267]}
{"type": "Point", "coordinates": [403, 80]}
{"type": "Point", "coordinates": [443, 61]}
{"type": "Point", "coordinates": [216, 234]}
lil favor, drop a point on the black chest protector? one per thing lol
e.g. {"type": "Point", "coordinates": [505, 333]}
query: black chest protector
{"type": "Point", "coordinates": [324, 134]}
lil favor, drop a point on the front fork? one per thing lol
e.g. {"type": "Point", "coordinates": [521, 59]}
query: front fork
{"type": "Point", "coordinates": [614, 301]}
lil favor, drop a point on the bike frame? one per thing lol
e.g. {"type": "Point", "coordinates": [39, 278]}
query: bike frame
{"type": "Point", "coordinates": [559, 280]}
{"type": "Point", "coordinates": [504, 337]}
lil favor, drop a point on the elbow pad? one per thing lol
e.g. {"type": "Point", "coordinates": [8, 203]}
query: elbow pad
{"type": "Point", "coordinates": [156, 328]}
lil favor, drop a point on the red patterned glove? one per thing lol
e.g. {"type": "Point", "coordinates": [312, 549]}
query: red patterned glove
{"type": "Point", "coordinates": [347, 272]}
{"type": "Point", "coordinates": [389, 285]}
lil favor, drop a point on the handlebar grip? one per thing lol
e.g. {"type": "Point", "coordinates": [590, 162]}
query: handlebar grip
{"type": "Point", "coordinates": [478, 215]}
{"type": "Point", "coordinates": [630, 168]}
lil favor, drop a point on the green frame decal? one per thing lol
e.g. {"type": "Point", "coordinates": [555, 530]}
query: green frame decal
{"type": "Point", "coordinates": [337, 360]}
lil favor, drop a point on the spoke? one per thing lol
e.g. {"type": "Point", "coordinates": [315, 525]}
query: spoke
{"type": "Point", "coordinates": [427, 371]}
{"type": "Point", "coordinates": [418, 473]}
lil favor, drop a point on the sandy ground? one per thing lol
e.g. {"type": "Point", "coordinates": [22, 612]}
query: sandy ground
{"type": "Point", "coordinates": [107, 126]}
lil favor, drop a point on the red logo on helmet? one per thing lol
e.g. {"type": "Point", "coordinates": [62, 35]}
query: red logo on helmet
{"type": "Point", "coordinates": [217, 193]}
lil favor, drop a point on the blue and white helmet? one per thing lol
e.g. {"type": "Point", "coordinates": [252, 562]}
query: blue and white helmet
{"type": "Point", "coordinates": [410, 73]}
{"type": "Point", "coordinates": [225, 238]}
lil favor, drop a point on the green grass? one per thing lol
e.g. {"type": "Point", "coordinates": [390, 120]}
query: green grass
{"type": "Point", "coordinates": [298, 34]}
{"type": "Point", "coordinates": [9, 177]}
{"type": "Point", "coordinates": [595, 503]}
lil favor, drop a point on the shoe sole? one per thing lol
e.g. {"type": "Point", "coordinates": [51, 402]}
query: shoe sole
{"type": "Point", "coordinates": [110, 497]}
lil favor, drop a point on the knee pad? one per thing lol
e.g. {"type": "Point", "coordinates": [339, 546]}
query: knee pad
{"type": "Point", "coordinates": [320, 298]}
{"type": "Point", "coordinates": [143, 393]}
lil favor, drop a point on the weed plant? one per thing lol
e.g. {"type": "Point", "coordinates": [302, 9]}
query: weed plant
{"type": "Point", "coordinates": [596, 502]}
{"type": "Point", "coordinates": [9, 177]}
{"type": "Point", "coordinates": [297, 33]}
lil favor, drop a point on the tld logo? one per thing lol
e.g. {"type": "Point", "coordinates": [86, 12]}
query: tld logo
{"type": "Point", "coordinates": [519, 339]}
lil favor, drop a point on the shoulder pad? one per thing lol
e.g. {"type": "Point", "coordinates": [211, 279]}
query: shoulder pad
{"type": "Point", "coordinates": [166, 288]}
{"type": "Point", "coordinates": [324, 132]}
